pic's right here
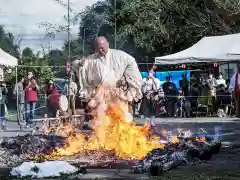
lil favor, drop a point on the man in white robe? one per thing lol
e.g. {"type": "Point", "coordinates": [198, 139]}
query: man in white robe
{"type": "Point", "coordinates": [112, 70]}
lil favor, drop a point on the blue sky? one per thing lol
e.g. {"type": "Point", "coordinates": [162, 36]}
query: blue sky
{"type": "Point", "coordinates": [23, 19]}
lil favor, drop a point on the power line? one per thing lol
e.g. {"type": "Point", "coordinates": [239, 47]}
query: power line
{"type": "Point", "coordinates": [42, 39]}
{"type": "Point", "coordinates": [41, 34]}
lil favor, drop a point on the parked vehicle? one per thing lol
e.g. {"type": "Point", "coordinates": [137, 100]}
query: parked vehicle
{"type": "Point", "coordinates": [60, 84]}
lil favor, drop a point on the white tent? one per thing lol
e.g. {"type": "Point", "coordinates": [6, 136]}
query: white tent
{"type": "Point", "coordinates": [7, 60]}
{"type": "Point", "coordinates": [208, 49]}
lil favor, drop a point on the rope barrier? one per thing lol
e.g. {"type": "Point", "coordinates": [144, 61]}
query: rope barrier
{"type": "Point", "coordinates": [166, 96]}
{"type": "Point", "coordinates": [25, 112]}
{"type": "Point", "coordinates": [64, 66]}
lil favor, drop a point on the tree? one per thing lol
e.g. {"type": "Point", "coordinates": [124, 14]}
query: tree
{"type": "Point", "coordinates": [31, 62]}
{"type": "Point", "coordinates": [7, 43]}
{"type": "Point", "coordinates": [95, 20]}
{"type": "Point", "coordinates": [162, 27]}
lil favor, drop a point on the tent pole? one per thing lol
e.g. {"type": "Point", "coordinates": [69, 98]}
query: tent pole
{"type": "Point", "coordinates": [228, 70]}
{"type": "Point", "coordinates": [16, 74]}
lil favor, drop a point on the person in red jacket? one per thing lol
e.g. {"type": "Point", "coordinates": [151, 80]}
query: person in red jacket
{"type": "Point", "coordinates": [50, 89]}
{"type": "Point", "coordinates": [31, 97]}
{"type": "Point", "coordinates": [51, 95]}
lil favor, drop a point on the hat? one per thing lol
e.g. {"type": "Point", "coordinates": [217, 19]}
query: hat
{"type": "Point", "coordinates": [30, 75]}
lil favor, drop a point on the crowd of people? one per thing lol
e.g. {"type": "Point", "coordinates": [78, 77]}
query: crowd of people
{"type": "Point", "coordinates": [27, 92]}
{"type": "Point", "coordinates": [201, 95]}
{"type": "Point", "coordinates": [198, 96]}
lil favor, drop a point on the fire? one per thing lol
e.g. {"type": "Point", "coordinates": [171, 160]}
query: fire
{"type": "Point", "coordinates": [112, 132]}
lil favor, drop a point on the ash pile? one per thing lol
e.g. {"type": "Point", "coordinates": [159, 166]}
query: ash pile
{"type": "Point", "coordinates": [16, 150]}
{"type": "Point", "coordinates": [188, 151]}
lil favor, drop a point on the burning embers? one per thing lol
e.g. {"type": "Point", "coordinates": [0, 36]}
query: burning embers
{"type": "Point", "coordinates": [113, 138]}
{"type": "Point", "coordinates": [188, 150]}
{"type": "Point", "coordinates": [113, 133]}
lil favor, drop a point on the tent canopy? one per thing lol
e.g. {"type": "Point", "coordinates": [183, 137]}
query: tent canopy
{"type": "Point", "coordinates": [208, 49]}
{"type": "Point", "coordinates": [7, 60]}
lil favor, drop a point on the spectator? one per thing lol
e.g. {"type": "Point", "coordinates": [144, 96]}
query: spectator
{"type": "Point", "coordinates": [149, 88]}
{"type": "Point", "coordinates": [51, 90]}
{"type": "Point", "coordinates": [31, 97]}
{"type": "Point", "coordinates": [20, 94]}
{"type": "Point", "coordinates": [184, 85]}
{"type": "Point", "coordinates": [223, 100]}
{"type": "Point", "coordinates": [221, 81]}
{"type": "Point", "coordinates": [195, 91]}
{"type": "Point", "coordinates": [212, 84]}
{"type": "Point", "coordinates": [72, 93]}
{"type": "Point", "coordinates": [183, 106]}
{"type": "Point", "coordinates": [170, 92]}
{"type": "Point", "coordinates": [3, 97]}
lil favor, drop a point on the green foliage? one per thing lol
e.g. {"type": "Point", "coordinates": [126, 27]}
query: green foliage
{"type": "Point", "coordinates": [26, 60]}
{"type": "Point", "coordinates": [158, 27]}
{"type": "Point", "coordinates": [30, 62]}
{"type": "Point", "coordinates": [163, 27]}
{"type": "Point", "coordinates": [7, 43]}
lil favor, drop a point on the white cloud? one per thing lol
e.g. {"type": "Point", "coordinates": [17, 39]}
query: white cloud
{"type": "Point", "coordinates": [23, 17]}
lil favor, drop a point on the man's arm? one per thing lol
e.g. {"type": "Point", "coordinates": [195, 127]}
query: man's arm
{"type": "Point", "coordinates": [37, 87]}
{"type": "Point", "coordinates": [132, 70]}
{"type": "Point", "coordinates": [75, 88]}
{"type": "Point", "coordinates": [156, 84]}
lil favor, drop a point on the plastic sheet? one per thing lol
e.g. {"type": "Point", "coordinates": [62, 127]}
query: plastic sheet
{"type": "Point", "coordinates": [45, 169]}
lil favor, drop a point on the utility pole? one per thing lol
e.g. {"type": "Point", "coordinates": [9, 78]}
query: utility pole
{"type": "Point", "coordinates": [69, 57]}
{"type": "Point", "coordinates": [68, 29]}
{"type": "Point", "coordinates": [83, 41]}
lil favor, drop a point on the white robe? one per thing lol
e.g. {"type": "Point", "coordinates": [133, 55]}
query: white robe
{"type": "Point", "coordinates": [153, 84]}
{"type": "Point", "coordinates": [119, 72]}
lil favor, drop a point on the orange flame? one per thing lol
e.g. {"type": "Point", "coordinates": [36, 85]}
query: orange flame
{"type": "Point", "coordinates": [113, 133]}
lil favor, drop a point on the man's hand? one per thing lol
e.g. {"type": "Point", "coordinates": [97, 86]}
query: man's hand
{"type": "Point", "coordinates": [97, 99]}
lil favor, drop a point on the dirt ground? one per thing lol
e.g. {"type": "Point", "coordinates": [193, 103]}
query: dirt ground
{"type": "Point", "coordinates": [223, 166]}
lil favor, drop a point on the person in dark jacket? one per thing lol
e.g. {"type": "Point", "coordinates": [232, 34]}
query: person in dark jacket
{"type": "Point", "coordinates": [170, 92]}
{"type": "Point", "coordinates": [3, 98]}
